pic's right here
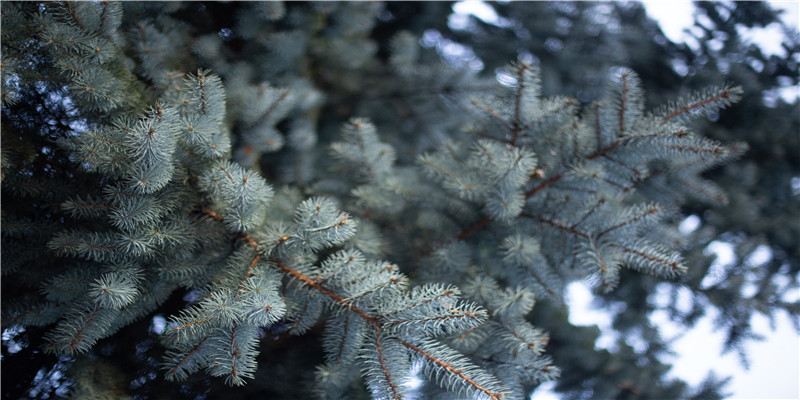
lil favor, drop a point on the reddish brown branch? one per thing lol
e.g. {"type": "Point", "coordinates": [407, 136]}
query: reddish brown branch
{"type": "Point", "coordinates": [541, 283]}
{"type": "Point", "coordinates": [474, 228]}
{"type": "Point", "coordinates": [516, 125]}
{"type": "Point", "coordinates": [588, 213]}
{"type": "Point", "coordinates": [335, 297]}
{"type": "Point", "coordinates": [624, 99]}
{"type": "Point", "coordinates": [651, 210]}
{"type": "Point", "coordinates": [597, 128]}
{"type": "Point", "coordinates": [73, 15]}
{"type": "Point", "coordinates": [452, 370]}
{"type": "Point", "coordinates": [186, 356]}
{"type": "Point", "coordinates": [556, 225]}
{"type": "Point", "coordinates": [683, 110]}
{"type": "Point", "coordinates": [344, 335]}
{"type": "Point", "coordinates": [672, 264]}
{"type": "Point", "coordinates": [79, 334]}
{"type": "Point", "coordinates": [695, 149]}
{"type": "Point", "coordinates": [455, 314]}
{"type": "Point", "coordinates": [493, 113]}
{"type": "Point", "coordinates": [604, 150]}
{"type": "Point", "coordinates": [567, 103]}
{"type": "Point", "coordinates": [446, 293]}
{"type": "Point", "coordinates": [488, 136]}
{"type": "Point", "coordinates": [386, 374]}
{"type": "Point", "coordinates": [544, 185]}
{"type": "Point", "coordinates": [177, 328]}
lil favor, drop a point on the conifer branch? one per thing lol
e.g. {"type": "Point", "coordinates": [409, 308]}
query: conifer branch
{"type": "Point", "coordinates": [623, 100]}
{"type": "Point", "coordinates": [725, 94]}
{"type": "Point", "coordinates": [493, 113]}
{"type": "Point", "coordinates": [717, 150]}
{"type": "Point", "coordinates": [719, 197]}
{"type": "Point", "coordinates": [598, 130]}
{"type": "Point", "coordinates": [589, 213]}
{"type": "Point", "coordinates": [73, 15]}
{"type": "Point", "coordinates": [605, 150]}
{"type": "Point", "coordinates": [234, 352]}
{"type": "Point", "coordinates": [249, 272]}
{"type": "Point", "coordinates": [488, 136]}
{"type": "Point", "coordinates": [540, 281]}
{"type": "Point", "coordinates": [186, 357]}
{"type": "Point", "coordinates": [344, 335]}
{"type": "Point", "coordinates": [78, 336]}
{"type": "Point", "coordinates": [604, 283]}
{"type": "Point", "coordinates": [382, 361]}
{"type": "Point", "coordinates": [298, 275]}
{"type": "Point", "coordinates": [635, 171]}
{"type": "Point", "coordinates": [555, 224]}
{"type": "Point", "coordinates": [474, 228]}
{"type": "Point", "coordinates": [567, 103]}
{"type": "Point", "coordinates": [544, 185]}
{"type": "Point", "coordinates": [674, 265]}
{"type": "Point", "coordinates": [650, 211]}
{"type": "Point", "coordinates": [455, 314]}
{"type": "Point", "coordinates": [445, 293]}
{"type": "Point", "coordinates": [530, 345]}
{"type": "Point", "coordinates": [327, 292]}
{"type": "Point", "coordinates": [456, 372]}
{"type": "Point", "coordinates": [272, 107]}
{"type": "Point", "coordinates": [188, 324]}
{"type": "Point", "coordinates": [516, 125]}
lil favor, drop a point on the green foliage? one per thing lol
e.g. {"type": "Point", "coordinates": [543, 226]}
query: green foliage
{"type": "Point", "coordinates": [244, 208]}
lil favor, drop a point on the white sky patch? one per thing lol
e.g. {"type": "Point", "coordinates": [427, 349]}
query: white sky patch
{"type": "Point", "coordinates": [689, 224]}
{"type": "Point", "coordinates": [159, 323]}
{"type": "Point", "coordinates": [673, 16]}
{"type": "Point", "coordinates": [791, 11]}
{"type": "Point", "coordinates": [459, 19]}
{"type": "Point", "coordinates": [545, 392]}
{"type": "Point", "coordinates": [775, 363]}
{"type": "Point", "coordinates": [725, 255]}
{"type": "Point", "coordinates": [795, 182]}
{"type": "Point", "coordinates": [477, 8]}
{"type": "Point", "coordinates": [579, 300]}
{"type": "Point", "coordinates": [767, 38]}
{"type": "Point", "coordinates": [760, 256]}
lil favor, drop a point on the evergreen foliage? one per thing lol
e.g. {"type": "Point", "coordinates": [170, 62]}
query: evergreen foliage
{"type": "Point", "coordinates": [243, 171]}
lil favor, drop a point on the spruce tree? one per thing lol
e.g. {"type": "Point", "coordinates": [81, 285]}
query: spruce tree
{"type": "Point", "coordinates": [300, 200]}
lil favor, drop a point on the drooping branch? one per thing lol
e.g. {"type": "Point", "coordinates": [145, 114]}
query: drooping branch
{"type": "Point", "coordinates": [327, 292]}
{"type": "Point", "coordinates": [445, 293]}
{"type": "Point", "coordinates": [555, 224]}
{"type": "Point", "coordinates": [650, 211]}
{"type": "Point", "coordinates": [725, 94]}
{"type": "Point", "coordinates": [674, 265]}
{"type": "Point", "coordinates": [544, 185]}
{"type": "Point", "coordinates": [344, 335]}
{"type": "Point", "coordinates": [186, 357]}
{"type": "Point", "coordinates": [516, 125]}
{"type": "Point", "coordinates": [384, 369]}
{"type": "Point", "coordinates": [623, 100]}
{"type": "Point", "coordinates": [493, 113]}
{"type": "Point", "coordinates": [589, 213]}
{"type": "Point", "coordinates": [474, 228]}
{"type": "Point", "coordinates": [449, 368]}
{"type": "Point", "coordinates": [74, 15]}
